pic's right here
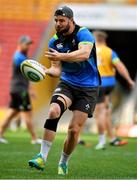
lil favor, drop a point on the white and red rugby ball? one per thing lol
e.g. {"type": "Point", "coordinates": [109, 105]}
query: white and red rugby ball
{"type": "Point", "coordinates": [33, 70]}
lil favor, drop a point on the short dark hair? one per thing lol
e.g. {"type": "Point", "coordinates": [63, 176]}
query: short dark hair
{"type": "Point", "coordinates": [100, 34]}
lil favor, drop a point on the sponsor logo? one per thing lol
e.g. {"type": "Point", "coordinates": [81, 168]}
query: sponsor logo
{"type": "Point", "coordinates": [58, 90]}
{"type": "Point", "coordinates": [21, 107]}
{"type": "Point", "coordinates": [59, 46]}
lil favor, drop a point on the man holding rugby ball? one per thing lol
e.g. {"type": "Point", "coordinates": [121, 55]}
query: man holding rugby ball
{"type": "Point", "coordinates": [72, 54]}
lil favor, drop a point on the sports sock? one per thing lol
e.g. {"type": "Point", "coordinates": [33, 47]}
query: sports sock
{"type": "Point", "coordinates": [45, 147]}
{"type": "Point", "coordinates": [102, 139]}
{"type": "Point", "coordinates": [64, 158]}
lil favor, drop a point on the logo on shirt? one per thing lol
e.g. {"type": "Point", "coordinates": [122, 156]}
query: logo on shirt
{"type": "Point", "coordinates": [73, 42]}
{"type": "Point", "coordinates": [87, 107]}
{"type": "Point", "coordinates": [59, 46]}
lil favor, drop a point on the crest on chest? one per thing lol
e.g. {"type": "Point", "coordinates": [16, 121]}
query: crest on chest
{"type": "Point", "coordinates": [59, 45]}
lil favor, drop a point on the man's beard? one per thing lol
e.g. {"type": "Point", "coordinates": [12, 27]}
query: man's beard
{"type": "Point", "coordinates": [25, 52]}
{"type": "Point", "coordinates": [65, 30]}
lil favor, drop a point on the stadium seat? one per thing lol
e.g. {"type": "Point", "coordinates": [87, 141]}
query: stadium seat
{"type": "Point", "coordinates": [10, 30]}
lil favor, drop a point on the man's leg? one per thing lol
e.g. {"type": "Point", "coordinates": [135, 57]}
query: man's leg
{"type": "Point", "coordinates": [100, 117]}
{"type": "Point", "coordinates": [114, 140]}
{"type": "Point", "coordinates": [75, 127]}
{"type": "Point", "coordinates": [108, 119]}
{"type": "Point", "coordinates": [58, 105]}
{"type": "Point", "coordinates": [27, 117]}
{"type": "Point", "coordinates": [55, 112]}
{"type": "Point", "coordinates": [10, 114]}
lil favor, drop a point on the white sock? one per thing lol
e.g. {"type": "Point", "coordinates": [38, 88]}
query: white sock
{"type": "Point", "coordinates": [102, 139]}
{"type": "Point", "coordinates": [45, 147]}
{"type": "Point", "coordinates": [64, 158]}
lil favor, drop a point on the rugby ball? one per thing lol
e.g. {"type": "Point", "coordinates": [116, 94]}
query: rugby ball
{"type": "Point", "coordinates": [32, 70]}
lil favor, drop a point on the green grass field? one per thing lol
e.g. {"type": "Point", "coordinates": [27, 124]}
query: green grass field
{"type": "Point", "coordinates": [114, 162]}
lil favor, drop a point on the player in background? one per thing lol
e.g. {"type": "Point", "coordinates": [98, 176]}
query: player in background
{"type": "Point", "coordinates": [73, 56]}
{"type": "Point", "coordinates": [108, 62]}
{"type": "Point", "coordinates": [20, 92]}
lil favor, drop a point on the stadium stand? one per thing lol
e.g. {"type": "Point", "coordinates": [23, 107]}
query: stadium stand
{"type": "Point", "coordinates": [15, 22]}
{"type": "Point", "coordinates": [9, 33]}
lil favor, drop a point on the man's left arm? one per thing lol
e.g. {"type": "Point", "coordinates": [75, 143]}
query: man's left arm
{"type": "Point", "coordinates": [85, 46]}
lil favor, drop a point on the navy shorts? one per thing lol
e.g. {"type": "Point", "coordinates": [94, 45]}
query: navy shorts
{"type": "Point", "coordinates": [83, 99]}
{"type": "Point", "coordinates": [20, 101]}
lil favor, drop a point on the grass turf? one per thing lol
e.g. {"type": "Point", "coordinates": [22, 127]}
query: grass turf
{"type": "Point", "coordinates": [114, 162]}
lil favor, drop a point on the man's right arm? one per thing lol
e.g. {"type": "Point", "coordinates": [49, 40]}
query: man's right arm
{"type": "Point", "coordinates": [55, 69]}
{"type": "Point", "coordinates": [121, 68]}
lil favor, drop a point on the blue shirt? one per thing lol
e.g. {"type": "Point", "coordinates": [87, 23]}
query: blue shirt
{"type": "Point", "coordinates": [18, 58]}
{"type": "Point", "coordinates": [18, 82]}
{"type": "Point", "coordinates": [82, 74]}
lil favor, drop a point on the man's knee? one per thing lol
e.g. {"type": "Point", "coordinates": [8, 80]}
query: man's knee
{"type": "Point", "coordinates": [54, 111]}
{"type": "Point", "coordinates": [57, 108]}
{"type": "Point", "coordinates": [53, 117]}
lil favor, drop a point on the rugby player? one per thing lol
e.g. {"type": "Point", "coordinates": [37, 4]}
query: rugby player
{"type": "Point", "coordinates": [73, 57]}
{"type": "Point", "coordinates": [108, 62]}
{"type": "Point", "coordinates": [20, 91]}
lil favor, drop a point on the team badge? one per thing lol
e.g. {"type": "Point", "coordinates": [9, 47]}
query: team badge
{"type": "Point", "coordinates": [59, 46]}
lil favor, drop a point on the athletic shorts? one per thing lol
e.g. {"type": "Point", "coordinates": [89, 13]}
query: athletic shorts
{"type": "Point", "coordinates": [20, 101]}
{"type": "Point", "coordinates": [104, 91]}
{"type": "Point", "coordinates": [83, 99]}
